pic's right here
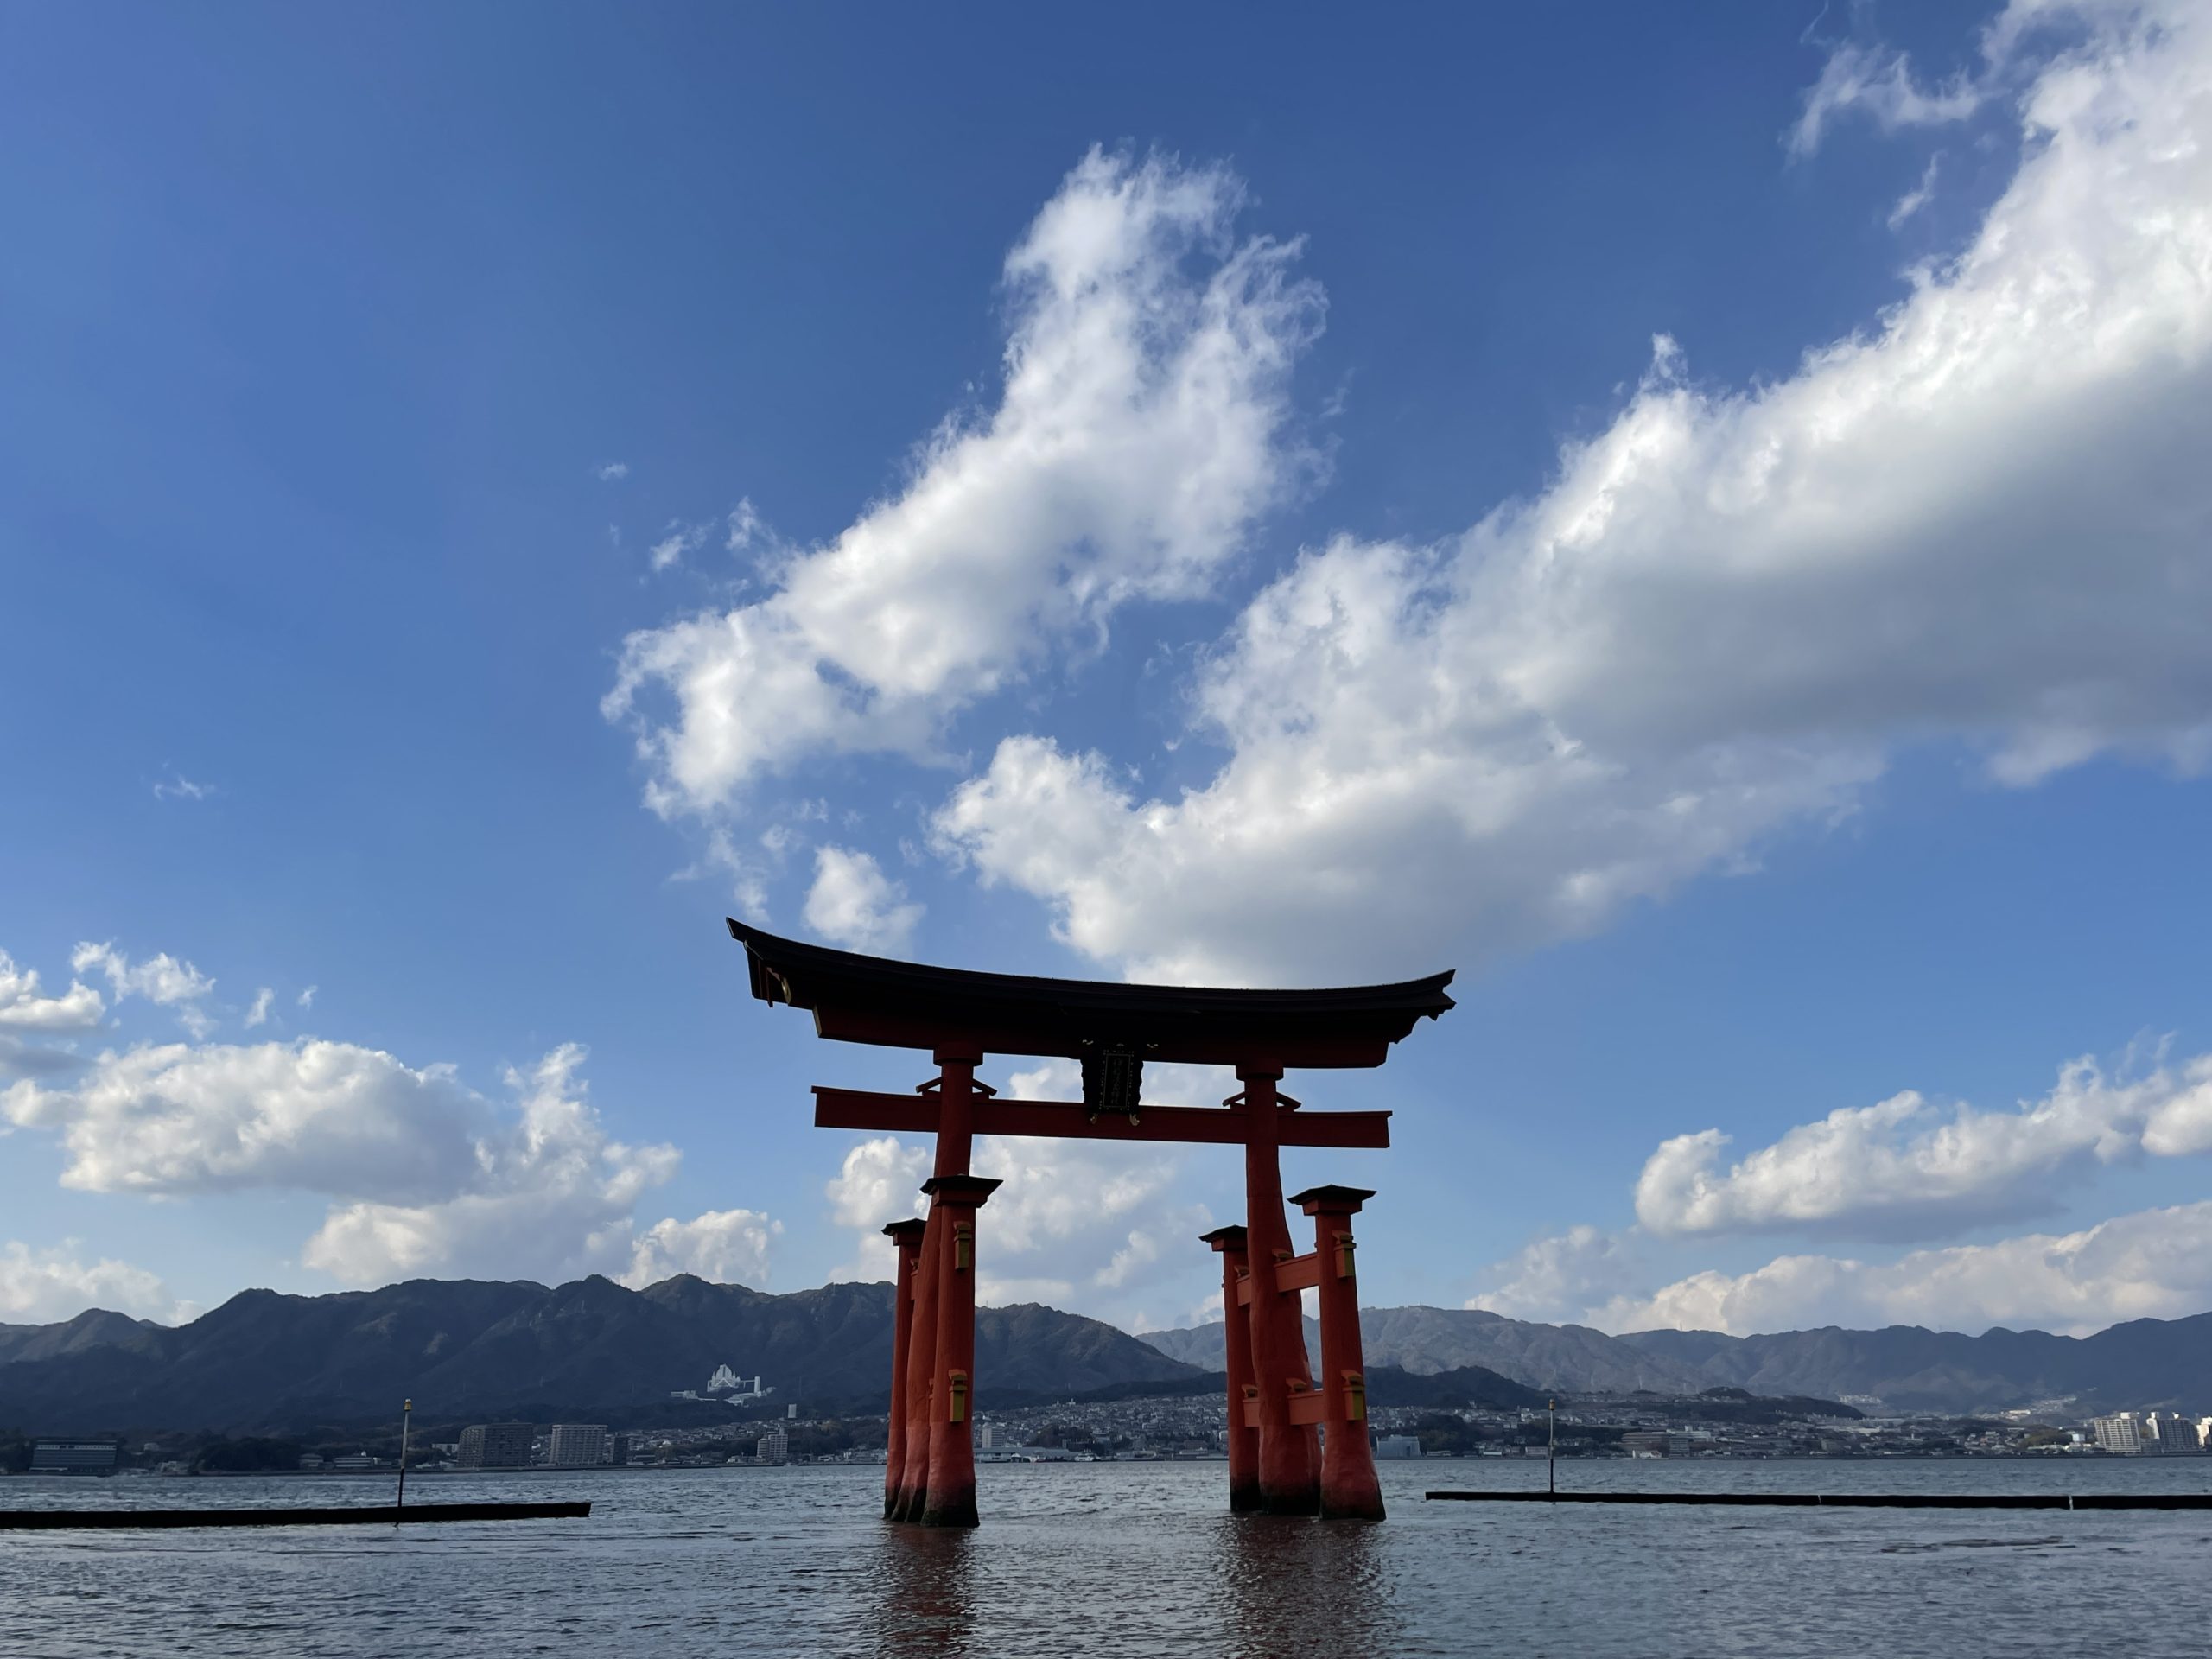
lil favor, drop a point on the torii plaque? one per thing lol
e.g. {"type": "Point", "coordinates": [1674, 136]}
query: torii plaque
{"type": "Point", "coordinates": [1278, 1419]}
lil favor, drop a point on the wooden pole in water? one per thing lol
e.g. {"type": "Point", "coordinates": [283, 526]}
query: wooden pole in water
{"type": "Point", "coordinates": [1551, 1447]}
{"type": "Point", "coordinates": [399, 1500]}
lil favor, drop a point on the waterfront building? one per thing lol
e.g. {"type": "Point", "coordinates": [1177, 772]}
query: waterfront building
{"type": "Point", "coordinates": [774, 1446]}
{"type": "Point", "coordinates": [2120, 1434]}
{"type": "Point", "coordinates": [2171, 1431]}
{"type": "Point", "coordinates": [1397, 1445]}
{"type": "Point", "coordinates": [495, 1445]}
{"type": "Point", "coordinates": [75, 1457]}
{"type": "Point", "coordinates": [986, 1436]}
{"type": "Point", "coordinates": [575, 1445]}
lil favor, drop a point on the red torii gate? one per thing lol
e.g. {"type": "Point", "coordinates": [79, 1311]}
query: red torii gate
{"type": "Point", "coordinates": [1279, 1460]}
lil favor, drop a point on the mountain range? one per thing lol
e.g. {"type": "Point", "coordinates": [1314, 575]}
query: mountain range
{"type": "Point", "coordinates": [466, 1347]}
{"type": "Point", "coordinates": [2140, 1364]}
{"type": "Point", "coordinates": [593, 1349]}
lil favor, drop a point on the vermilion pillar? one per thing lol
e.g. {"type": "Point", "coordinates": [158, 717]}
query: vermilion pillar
{"type": "Point", "coordinates": [1350, 1490]}
{"type": "Point", "coordinates": [1236, 1333]}
{"type": "Point", "coordinates": [950, 1500]}
{"type": "Point", "coordinates": [954, 1087]}
{"type": "Point", "coordinates": [907, 1236]}
{"type": "Point", "coordinates": [1289, 1483]}
{"type": "Point", "coordinates": [921, 1365]}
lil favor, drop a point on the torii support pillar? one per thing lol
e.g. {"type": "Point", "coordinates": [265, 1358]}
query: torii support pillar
{"type": "Point", "coordinates": [1350, 1490]}
{"type": "Point", "coordinates": [1244, 1439]}
{"type": "Point", "coordinates": [954, 1090]}
{"type": "Point", "coordinates": [1289, 1476]}
{"type": "Point", "coordinates": [907, 1236]}
{"type": "Point", "coordinates": [951, 1499]}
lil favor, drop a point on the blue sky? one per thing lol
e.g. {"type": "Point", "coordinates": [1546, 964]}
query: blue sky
{"type": "Point", "coordinates": [1699, 524]}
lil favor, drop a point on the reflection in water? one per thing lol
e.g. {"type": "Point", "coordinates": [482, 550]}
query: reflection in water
{"type": "Point", "coordinates": [1295, 1586]}
{"type": "Point", "coordinates": [924, 1599]}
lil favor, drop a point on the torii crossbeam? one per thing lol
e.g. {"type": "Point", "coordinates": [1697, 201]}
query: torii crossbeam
{"type": "Point", "coordinates": [1277, 1460]}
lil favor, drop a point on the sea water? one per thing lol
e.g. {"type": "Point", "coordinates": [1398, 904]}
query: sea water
{"type": "Point", "coordinates": [1111, 1560]}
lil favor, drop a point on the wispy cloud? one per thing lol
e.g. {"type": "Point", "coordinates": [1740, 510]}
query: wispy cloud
{"type": "Point", "coordinates": [1919, 197]}
{"type": "Point", "coordinates": [181, 788]}
{"type": "Point", "coordinates": [679, 539]}
{"type": "Point", "coordinates": [612, 472]}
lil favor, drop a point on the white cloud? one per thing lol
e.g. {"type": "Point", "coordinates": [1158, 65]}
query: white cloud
{"type": "Point", "coordinates": [1916, 198]}
{"type": "Point", "coordinates": [24, 1008]}
{"type": "Point", "coordinates": [747, 529]}
{"type": "Point", "coordinates": [42, 1286]}
{"type": "Point", "coordinates": [550, 1194]}
{"type": "Point", "coordinates": [258, 1013]}
{"type": "Point", "coordinates": [306, 999]}
{"type": "Point", "coordinates": [163, 979]}
{"type": "Point", "coordinates": [1981, 521]}
{"type": "Point", "coordinates": [727, 1247]}
{"type": "Point", "coordinates": [181, 788]}
{"type": "Point", "coordinates": [612, 472]}
{"type": "Point", "coordinates": [1902, 1169]}
{"type": "Point", "coordinates": [853, 904]}
{"type": "Point", "coordinates": [426, 1175]}
{"type": "Point", "coordinates": [311, 1116]}
{"type": "Point", "coordinates": [1878, 83]}
{"type": "Point", "coordinates": [1138, 434]}
{"type": "Point", "coordinates": [879, 1182]}
{"type": "Point", "coordinates": [677, 541]}
{"type": "Point", "coordinates": [2155, 1264]}
{"type": "Point", "coordinates": [1561, 1276]}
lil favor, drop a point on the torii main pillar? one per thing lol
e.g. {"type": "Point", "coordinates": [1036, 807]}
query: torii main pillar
{"type": "Point", "coordinates": [1290, 1473]}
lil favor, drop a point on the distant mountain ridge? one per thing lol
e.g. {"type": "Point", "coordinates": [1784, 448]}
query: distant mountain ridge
{"type": "Point", "coordinates": [2137, 1365]}
{"type": "Point", "coordinates": [466, 1347]}
{"type": "Point", "coordinates": [472, 1348]}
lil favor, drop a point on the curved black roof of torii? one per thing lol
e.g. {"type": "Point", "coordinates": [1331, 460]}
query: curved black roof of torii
{"type": "Point", "coordinates": [910, 1005]}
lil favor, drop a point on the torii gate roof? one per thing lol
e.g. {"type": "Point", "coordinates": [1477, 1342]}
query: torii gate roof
{"type": "Point", "coordinates": [858, 998]}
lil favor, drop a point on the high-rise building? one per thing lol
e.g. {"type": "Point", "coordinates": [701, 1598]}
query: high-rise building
{"type": "Point", "coordinates": [774, 1446]}
{"type": "Point", "coordinates": [576, 1446]}
{"type": "Point", "coordinates": [2121, 1432]}
{"type": "Point", "coordinates": [2171, 1431]}
{"type": "Point", "coordinates": [496, 1445]}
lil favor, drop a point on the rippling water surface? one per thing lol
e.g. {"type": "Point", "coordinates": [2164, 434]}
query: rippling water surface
{"type": "Point", "coordinates": [1107, 1560]}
